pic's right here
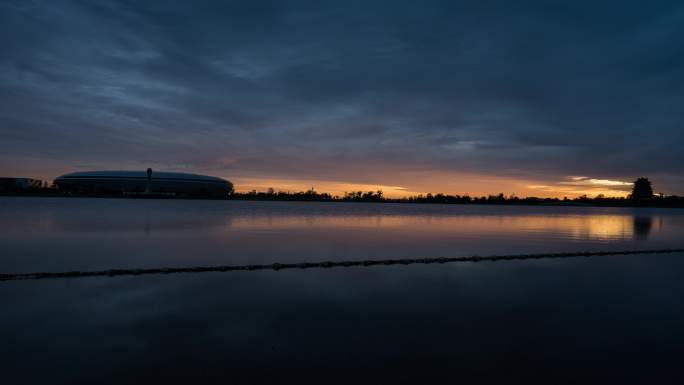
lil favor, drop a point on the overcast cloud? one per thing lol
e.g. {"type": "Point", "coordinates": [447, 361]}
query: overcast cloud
{"type": "Point", "coordinates": [355, 92]}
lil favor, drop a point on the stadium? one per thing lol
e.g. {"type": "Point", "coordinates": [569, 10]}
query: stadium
{"type": "Point", "coordinates": [141, 183]}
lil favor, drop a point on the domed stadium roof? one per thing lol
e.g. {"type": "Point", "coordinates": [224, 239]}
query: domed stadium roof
{"type": "Point", "coordinates": [142, 183]}
{"type": "Point", "coordinates": [156, 175]}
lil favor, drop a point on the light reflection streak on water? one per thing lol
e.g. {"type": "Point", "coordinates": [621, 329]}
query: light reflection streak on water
{"type": "Point", "coordinates": [577, 227]}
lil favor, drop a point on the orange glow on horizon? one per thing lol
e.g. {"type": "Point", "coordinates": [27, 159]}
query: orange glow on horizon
{"type": "Point", "coordinates": [394, 182]}
{"type": "Point", "coordinates": [472, 185]}
{"type": "Point", "coordinates": [321, 186]}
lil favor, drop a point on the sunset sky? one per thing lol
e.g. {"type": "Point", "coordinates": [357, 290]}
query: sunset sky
{"type": "Point", "coordinates": [543, 98]}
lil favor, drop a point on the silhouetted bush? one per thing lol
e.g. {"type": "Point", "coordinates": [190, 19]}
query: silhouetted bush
{"type": "Point", "coordinates": [642, 190]}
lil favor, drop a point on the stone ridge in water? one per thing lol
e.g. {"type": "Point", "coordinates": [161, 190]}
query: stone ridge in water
{"type": "Point", "coordinates": [326, 264]}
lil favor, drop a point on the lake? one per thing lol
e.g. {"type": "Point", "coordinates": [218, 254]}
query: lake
{"type": "Point", "coordinates": [608, 318]}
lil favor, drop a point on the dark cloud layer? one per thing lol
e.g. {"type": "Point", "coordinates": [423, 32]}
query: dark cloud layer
{"type": "Point", "coordinates": [343, 90]}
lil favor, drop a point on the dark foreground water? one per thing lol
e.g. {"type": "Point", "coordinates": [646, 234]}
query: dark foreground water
{"type": "Point", "coordinates": [615, 319]}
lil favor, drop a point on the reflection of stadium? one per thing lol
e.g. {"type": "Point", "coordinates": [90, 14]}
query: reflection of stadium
{"type": "Point", "coordinates": [142, 183]}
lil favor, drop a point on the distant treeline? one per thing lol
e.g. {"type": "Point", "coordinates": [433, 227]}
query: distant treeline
{"type": "Point", "coordinates": [641, 196]}
{"type": "Point", "coordinates": [500, 199]}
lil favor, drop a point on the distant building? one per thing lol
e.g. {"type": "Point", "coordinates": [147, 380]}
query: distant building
{"type": "Point", "coordinates": [19, 184]}
{"type": "Point", "coordinates": [141, 183]}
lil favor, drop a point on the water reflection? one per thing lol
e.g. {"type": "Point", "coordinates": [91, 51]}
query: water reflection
{"type": "Point", "coordinates": [113, 216]}
{"type": "Point", "coordinates": [143, 220]}
{"type": "Point", "coordinates": [579, 227]}
{"type": "Point", "coordinates": [578, 316]}
{"type": "Point", "coordinates": [147, 221]}
{"type": "Point", "coordinates": [95, 234]}
{"type": "Point", "coordinates": [642, 227]}
{"type": "Point", "coordinates": [613, 319]}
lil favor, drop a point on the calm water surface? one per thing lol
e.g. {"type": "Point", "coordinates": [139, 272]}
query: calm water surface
{"type": "Point", "coordinates": [609, 318]}
{"type": "Point", "coordinates": [71, 234]}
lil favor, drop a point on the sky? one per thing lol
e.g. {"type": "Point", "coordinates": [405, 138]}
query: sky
{"type": "Point", "coordinates": [533, 98]}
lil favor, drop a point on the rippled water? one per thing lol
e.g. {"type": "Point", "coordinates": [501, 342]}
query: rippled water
{"type": "Point", "coordinates": [613, 318]}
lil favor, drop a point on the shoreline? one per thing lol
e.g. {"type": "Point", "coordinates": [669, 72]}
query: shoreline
{"type": "Point", "coordinates": [555, 202]}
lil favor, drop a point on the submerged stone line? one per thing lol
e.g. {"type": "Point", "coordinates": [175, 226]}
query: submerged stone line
{"type": "Point", "coordinates": [322, 265]}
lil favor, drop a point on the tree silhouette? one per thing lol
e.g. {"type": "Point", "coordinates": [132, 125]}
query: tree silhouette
{"type": "Point", "coordinates": [642, 189]}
